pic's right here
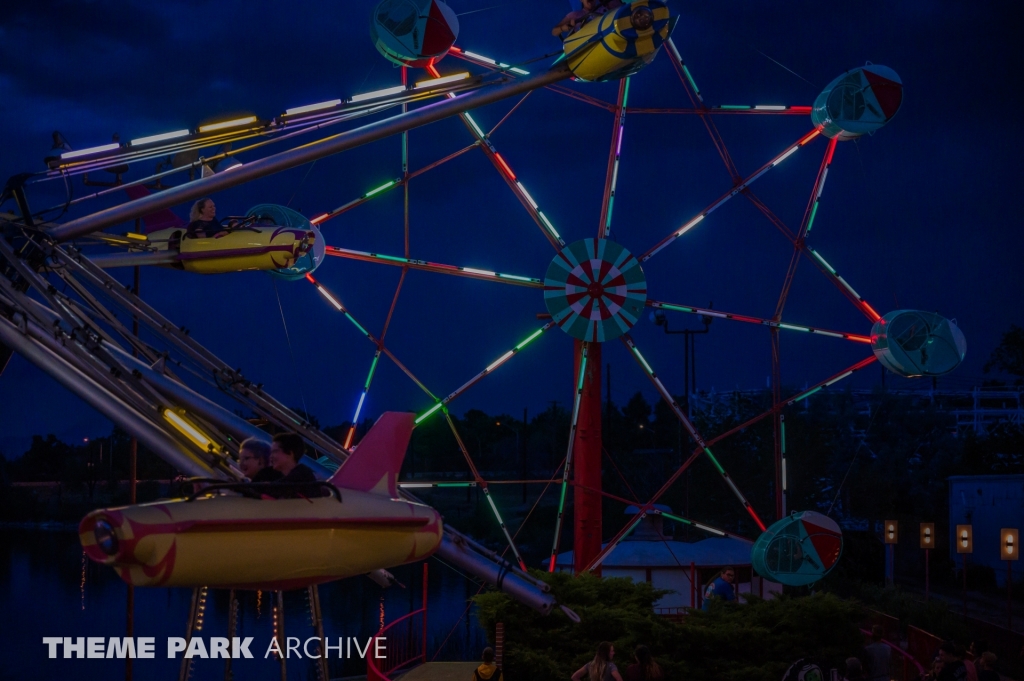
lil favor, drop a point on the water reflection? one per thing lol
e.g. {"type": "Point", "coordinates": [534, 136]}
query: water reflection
{"type": "Point", "coordinates": [48, 588]}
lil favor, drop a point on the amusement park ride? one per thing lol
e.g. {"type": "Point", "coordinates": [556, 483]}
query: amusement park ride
{"type": "Point", "coordinates": [62, 311]}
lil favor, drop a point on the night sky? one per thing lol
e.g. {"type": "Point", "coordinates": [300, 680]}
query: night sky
{"type": "Point", "coordinates": [922, 215]}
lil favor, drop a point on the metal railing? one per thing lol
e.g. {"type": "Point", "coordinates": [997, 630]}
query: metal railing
{"type": "Point", "coordinates": [404, 643]}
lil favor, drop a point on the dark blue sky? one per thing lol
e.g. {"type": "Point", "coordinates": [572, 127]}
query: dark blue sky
{"type": "Point", "coordinates": [921, 215]}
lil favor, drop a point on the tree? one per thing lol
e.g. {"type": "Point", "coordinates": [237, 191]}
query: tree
{"type": "Point", "coordinates": [1008, 357]}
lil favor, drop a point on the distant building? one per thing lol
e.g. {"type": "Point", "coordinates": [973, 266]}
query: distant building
{"type": "Point", "coordinates": [987, 503]}
{"type": "Point", "coordinates": [649, 555]}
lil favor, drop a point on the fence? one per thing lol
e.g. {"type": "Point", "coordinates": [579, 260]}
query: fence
{"type": "Point", "coordinates": [404, 643]}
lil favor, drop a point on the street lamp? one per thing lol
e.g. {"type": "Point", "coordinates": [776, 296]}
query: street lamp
{"type": "Point", "coordinates": [965, 545]}
{"type": "Point", "coordinates": [689, 349]}
{"type": "Point", "coordinates": [891, 538]}
{"type": "Point", "coordinates": [1009, 549]}
{"type": "Point", "coordinates": [927, 543]}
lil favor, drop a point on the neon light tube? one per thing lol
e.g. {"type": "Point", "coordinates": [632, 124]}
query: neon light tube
{"type": "Point", "coordinates": [526, 194]}
{"type": "Point", "coordinates": [331, 299]}
{"type": "Point", "coordinates": [318, 219]}
{"type": "Point", "coordinates": [709, 529]}
{"type": "Point", "coordinates": [786, 155]}
{"type": "Point", "coordinates": [794, 328]}
{"type": "Point", "coordinates": [162, 137]}
{"type": "Point", "coordinates": [822, 260]}
{"type": "Point", "coordinates": [717, 465]}
{"type": "Point", "coordinates": [312, 107]}
{"type": "Point", "coordinates": [359, 407]}
{"type": "Point", "coordinates": [675, 518]}
{"type": "Point", "coordinates": [814, 212]}
{"type": "Point", "coordinates": [505, 165]}
{"type": "Point", "coordinates": [187, 429]}
{"type": "Point", "coordinates": [520, 71]}
{"type": "Point", "coordinates": [378, 190]}
{"type": "Point", "coordinates": [227, 124]}
{"type": "Point", "coordinates": [474, 271]}
{"type": "Point", "coordinates": [386, 92]}
{"type": "Point", "coordinates": [498, 362]}
{"type": "Point", "coordinates": [643, 361]}
{"type": "Point", "coordinates": [479, 57]}
{"type": "Point", "coordinates": [429, 412]}
{"type": "Point", "coordinates": [769, 107]}
{"type": "Point", "coordinates": [547, 223]}
{"type": "Point", "coordinates": [838, 378]}
{"type": "Point", "coordinates": [476, 128]}
{"type": "Point", "coordinates": [531, 338]}
{"type": "Point", "coordinates": [689, 225]}
{"type": "Point", "coordinates": [693, 83]}
{"type": "Point", "coordinates": [443, 80]}
{"type": "Point", "coordinates": [91, 150]}
{"type": "Point", "coordinates": [517, 277]}
{"type": "Point", "coordinates": [734, 107]}
{"type": "Point", "coordinates": [415, 485]}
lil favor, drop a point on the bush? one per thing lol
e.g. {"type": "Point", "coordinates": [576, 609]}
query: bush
{"type": "Point", "coordinates": [752, 642]}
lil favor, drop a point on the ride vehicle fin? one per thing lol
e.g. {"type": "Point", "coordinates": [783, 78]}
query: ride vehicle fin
{"type": "Point", "coordinates": [374, 464]}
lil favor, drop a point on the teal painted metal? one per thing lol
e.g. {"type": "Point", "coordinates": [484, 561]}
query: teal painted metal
{"type": "Point", "coordinates": [799, 549]}
{"type": "Point", "coordinates": [595, 290]}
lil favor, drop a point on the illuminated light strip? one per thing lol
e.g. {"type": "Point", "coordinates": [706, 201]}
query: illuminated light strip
{"type": "Point", "coordinates": [822, 260]}
{"type": "Point", "coordinates": [756, 320]}
{"type": "Point", "coordinates": [547, 223]}
{"type": "Point", "coordinates": [386, 92]}
{"type": "Point", "coordinates": [378, 190]}
{"type": "Point", "coordinates": [422, 485]}
{"type": "Point", "coordinates": [531, 337]}
{"type": "Point", "coordinates": [505, 165]}
{"type": "Point", "coordinates": [227, 124]}
{"type": "Point", "coordinates": [312, 107]}
{"type": "Point", "coordinates": [709, 529]}
{"type": "Point", "coordinates": [871, 310]}
{"type": "Point", "coordinates": [163, 137]}
{"type": "Point", "coordinates": [92, 150]}
{"type": "Point", "coordinates": [359, 407]}
{"type": "Point", "coordinates": [769, 107]}
{"type": "Point", "coordinates": [786, 155]}
{"type": "Point", "coordinates": [582, 369]}
{"type": "Point", "coordinates": [479, 57]}
{"type": "Point", "coordinates": [331, 299]}
{"type": "Point", "coordinates": [517, 278]}
{"type": "Point", "coordinates": [526, 194]}
{"type": "Point", "coordinates": [734, 107]}
{"type": "Point", "coordinates": [782, 424]}
{"type": "Point", "coordinates": [318, 219]}
{"type": "Point", "coordinates": [848, 287]}
{"type": "Point", "coordinates": [714, 461]}
{"type": "Point", "coordinates": [814, 212]}
{"type": "Point", "coordinates": [693, 83]}
{"type": "Point", "coordinates": [475, 271]}
{"type": "Point", "coordinates": [430, 411]}
{"type": "Point", "coordinates": [187, 429]}
{"type": "Point", "coordinates": [647, 367]}
{"type": "Point", "coordinates": [801, 109]}
{"type": "Point", "coordinates": [476, 128]}
{"type": "Point", "coordinates": [443, 80]}
{"type": "Point", "coordinates": [498, 362]}
{"type": "Point", "coordinates": [521, 72]}
{"type": "Point", "coordinates": [838, 378]}
{"type": "Point", "coordinates": [809, 136]}
{"type": "Point", "coordinates": [691, 224]}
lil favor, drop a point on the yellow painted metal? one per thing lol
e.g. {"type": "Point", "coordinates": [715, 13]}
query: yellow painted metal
{"type": "Point", "coordinates": [262, 248]}
{"type": "Point", "coordinates": [601, 51]}
{"type": "Point", "coordinates": [243, 543]}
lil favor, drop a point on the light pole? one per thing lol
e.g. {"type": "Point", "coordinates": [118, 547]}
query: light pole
{"type": "Point", "coordinates": [1009, 548]}
{"type": "Point", "coordinates": [927, 542]}
{"type": "Point", "coordinates": [965, 545]}
{"type": "Point", "coordinates": [892, 535]}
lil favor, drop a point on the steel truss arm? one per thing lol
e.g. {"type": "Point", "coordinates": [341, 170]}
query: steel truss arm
{"type": "Point", "coordinates": [437, 267]}
{"type": "Point", "coordinates": [739, 188]}
{"type": "Point", "coordinates": [771, 323]}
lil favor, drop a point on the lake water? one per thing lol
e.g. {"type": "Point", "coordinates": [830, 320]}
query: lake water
{"type": "Point", "coordinates": [48, 588]}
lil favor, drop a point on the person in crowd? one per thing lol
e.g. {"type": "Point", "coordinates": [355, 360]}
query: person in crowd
{"type": "Point", "coordinates": [962, 655]}
{"type": "Point", "coordinates": [721, 587]}
{"type": "Point", "coordinates": [951, 667]}
{"type": "Point", "coordinates": [203, 222]}
{"type": "Point", "coordinates": [986, 663]}
{"type": "Point", "coordinates": [974, 653]}
{"type": "Point", "coordinates": [254, 461]}
{"type": "Point", "coordinates": [854, 669]}
{"type": "Point", "coordinates": [601, 668]}
{"type": "Point", "coordinates": [285, 452]}
{"type": "Point", "coordinates": [645, 669]}
{"type": "Point", "coordinates": [488, 669]}
{"type": "Point", "coordinates": [573, 19]}
{"type": "Point", "coordinates": [877, 656]}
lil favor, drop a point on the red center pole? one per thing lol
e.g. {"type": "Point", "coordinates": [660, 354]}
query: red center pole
{"type": "Point", "coordinates": [587, 463]}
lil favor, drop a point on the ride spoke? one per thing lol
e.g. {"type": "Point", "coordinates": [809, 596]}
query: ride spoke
{"type": "Point", "coordinates": [706, 312]}
{"type": "Point", "coordinates": [789, 151]}
{"type": "Point", "coordinates": [391, 184]}
{"type": "Point", "coordinates": [805, 225]}
{"type": "Point", "coordinates": [760, 109]}
{"type": "Point", "coordinates": [507, 174]}
{"type": "Point", "coordinates": [482, 484]}
{"type": "Point", "coordinates": [667, 396]}
{"type": "Point", "coordinates": [427, 266]}
{"type": "Point", "coordinates": [841, 283]}
{"type": "Point", "coordinates": [442, 404]}
{"type": "Point", "coordinates": [362, 398]}
{"type": "Point", "coordinates": [615, 153]}
{"type": "Point", "coordinates": [582, 373]}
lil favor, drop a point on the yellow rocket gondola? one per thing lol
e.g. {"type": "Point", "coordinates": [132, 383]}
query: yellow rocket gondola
{"type": "Point", "coordinates": [620, 42]}
{"type": "Point", "coordinates": [254, 543]}
{"type": "Point", "coordinates": [252, 248]}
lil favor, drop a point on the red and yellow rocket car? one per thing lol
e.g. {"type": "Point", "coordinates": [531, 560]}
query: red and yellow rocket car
{"type": "Point", "coordinates": [249, 543]}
